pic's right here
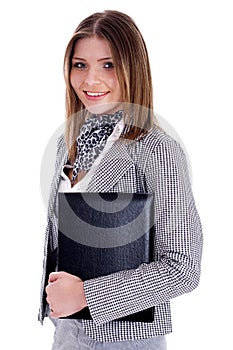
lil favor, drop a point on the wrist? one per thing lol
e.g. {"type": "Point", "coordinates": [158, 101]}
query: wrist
{"type": "Point", "coordinates": [84, 301]}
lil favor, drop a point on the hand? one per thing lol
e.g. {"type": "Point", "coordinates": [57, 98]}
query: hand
{"type": "Point", "coordinates": [65, 294]}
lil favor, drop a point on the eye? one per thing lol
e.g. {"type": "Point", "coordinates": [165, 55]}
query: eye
{"type": "Point", "coordinates": [108, 65]}
{"type": "Point", "coordinates": [79, 65]}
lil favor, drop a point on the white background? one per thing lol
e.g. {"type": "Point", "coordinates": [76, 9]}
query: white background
{"type": "Point", "coordinates": [190, 46]}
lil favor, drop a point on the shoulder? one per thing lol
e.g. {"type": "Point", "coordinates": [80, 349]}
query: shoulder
{"type": "Point", "coordinates": [61, 152]}
{"type": "Point", "coordinates": [61, 146]}
{"type": "Point", "coordinates": [61, 141]}
{"type": "Point", "coordinates": [156, 150]}
{"type": "Point", "coordinates": [157, 139]}
{"type": "Point", "coordinates": [165, 157]}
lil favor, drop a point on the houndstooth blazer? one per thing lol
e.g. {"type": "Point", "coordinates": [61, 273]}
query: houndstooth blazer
{"type": "Point", "coordinates": [157, 164]}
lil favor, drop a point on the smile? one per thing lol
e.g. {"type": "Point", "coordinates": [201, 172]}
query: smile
{"type": "Point", "coordinates": [92, 94]}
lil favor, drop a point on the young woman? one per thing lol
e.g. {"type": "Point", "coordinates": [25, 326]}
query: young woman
{"type": "Point", "coordinates": [113, 145]}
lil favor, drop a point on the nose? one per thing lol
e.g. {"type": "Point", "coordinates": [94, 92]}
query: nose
{"type": "Point", "coordinates": [92, 77]}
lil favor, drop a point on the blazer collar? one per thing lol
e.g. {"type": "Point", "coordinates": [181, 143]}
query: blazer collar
{"type": "Point", "coordinates": [113, 166]}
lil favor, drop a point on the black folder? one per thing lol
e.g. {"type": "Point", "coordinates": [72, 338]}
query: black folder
{"type": "Point", "coordinates": [102, 233]}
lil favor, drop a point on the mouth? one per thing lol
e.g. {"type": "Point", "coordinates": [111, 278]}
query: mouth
{"type": "Point", "coordinates": [91, 95]}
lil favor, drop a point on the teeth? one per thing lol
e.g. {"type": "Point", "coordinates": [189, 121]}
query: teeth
{"type": "Point", "coordinates": [95, 94]}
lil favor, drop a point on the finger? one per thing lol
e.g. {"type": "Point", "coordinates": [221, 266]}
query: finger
{"type": "Point", "coordinates": [53, 276]}
{"type": "Point", "coordinates": [52, 314]}
{"type": "Point", "coordinates": [47, 293]}
{"type": "Point", "coordinates": [48, 297]}
{"type": "Point", "coordinates": [49, 289]}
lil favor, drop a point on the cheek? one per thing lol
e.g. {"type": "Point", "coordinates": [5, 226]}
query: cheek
{"type": "Point", "coordinates": [114, 83]}
{"type": "Point", "coordinates": [117, 88]}
{"type": "Point", "coordinates": [75, 80]}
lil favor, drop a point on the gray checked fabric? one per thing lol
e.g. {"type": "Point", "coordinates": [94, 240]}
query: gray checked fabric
{"type": "Point", "coordinates": [155, 163]}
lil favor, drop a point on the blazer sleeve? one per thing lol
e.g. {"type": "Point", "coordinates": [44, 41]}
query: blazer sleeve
{"type": "Point", "coordinates": [178, 244]}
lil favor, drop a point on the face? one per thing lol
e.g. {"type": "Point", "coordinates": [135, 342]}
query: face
{"type": "Point", "coordinates": [93, 75]}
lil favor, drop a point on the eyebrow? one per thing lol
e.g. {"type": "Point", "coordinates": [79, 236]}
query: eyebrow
{"type": "Point", "coordinates": [99, 60]}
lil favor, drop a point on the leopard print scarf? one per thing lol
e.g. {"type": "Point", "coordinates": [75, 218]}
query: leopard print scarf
{"type": "Point", "coordinates": [92, 139]}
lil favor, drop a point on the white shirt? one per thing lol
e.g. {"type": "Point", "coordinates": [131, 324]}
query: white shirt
{"type": "Point", "coordinates": [81, 186]}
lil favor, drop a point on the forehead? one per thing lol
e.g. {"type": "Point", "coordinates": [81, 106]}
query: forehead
{"type": "Point", "coordinates": [92, 47]}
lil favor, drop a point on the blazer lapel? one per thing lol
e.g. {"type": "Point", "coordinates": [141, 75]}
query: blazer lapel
{"type": "Point", "coordinates": [113, 166]}
{"type": "Point", "coordinates": [62, 158]}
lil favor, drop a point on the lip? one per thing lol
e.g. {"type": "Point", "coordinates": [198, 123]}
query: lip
{"type": "Point", "coordinates": [95, 95]}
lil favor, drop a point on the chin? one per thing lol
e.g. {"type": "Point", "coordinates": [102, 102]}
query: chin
{"type": "Point", "coordinates": [110, 107]}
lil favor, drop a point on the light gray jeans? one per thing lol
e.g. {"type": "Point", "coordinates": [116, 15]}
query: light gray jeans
{"type": "Point", "coordinates": [69, 335]}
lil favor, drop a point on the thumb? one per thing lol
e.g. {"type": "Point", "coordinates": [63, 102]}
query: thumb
{"type": "Point", "coordinates": [54, 276]}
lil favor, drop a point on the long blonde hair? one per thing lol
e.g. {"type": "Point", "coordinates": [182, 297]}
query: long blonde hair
{"type": "Point", "coordinates": [131, 60]}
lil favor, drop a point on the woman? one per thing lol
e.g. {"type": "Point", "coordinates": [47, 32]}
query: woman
{"type": "Point", "coordinates": [112, 145]}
